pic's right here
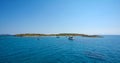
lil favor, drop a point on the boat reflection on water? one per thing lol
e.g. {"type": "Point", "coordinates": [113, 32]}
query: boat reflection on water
{"type": "Point", "coordinates": [71, 38]}
{"type": "Point", "coordinates": [57, 37]}
{"type": "Point", "coordinates": [38, 39]}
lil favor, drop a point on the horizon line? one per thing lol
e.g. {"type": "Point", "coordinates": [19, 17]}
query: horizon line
{"type": "Point", "coordinates": [53, 33]}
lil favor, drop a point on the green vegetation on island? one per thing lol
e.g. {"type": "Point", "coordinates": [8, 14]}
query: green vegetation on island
{"type": "Point", "coordinates": [60, 34]}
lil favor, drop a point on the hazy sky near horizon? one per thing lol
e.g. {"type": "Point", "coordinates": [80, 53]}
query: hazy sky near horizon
{"type": "Point", "coordinates": [60, 16]}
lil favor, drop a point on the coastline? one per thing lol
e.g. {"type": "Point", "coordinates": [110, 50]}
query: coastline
{"type": "Point", "coordinates": [57, 35]}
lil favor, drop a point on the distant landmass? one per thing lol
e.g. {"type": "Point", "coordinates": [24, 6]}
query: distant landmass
{"type": "Point", "coordinates": [5, 35]}
{"type": "Point", "coordinates": [60, 34]}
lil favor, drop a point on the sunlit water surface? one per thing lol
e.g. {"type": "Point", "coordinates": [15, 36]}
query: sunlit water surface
{"type": "Point", "coordinates": [59, 50]}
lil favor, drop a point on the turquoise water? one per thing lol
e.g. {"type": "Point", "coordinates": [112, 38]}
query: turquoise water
{"type": "Point", "coordinates": [59, 50]}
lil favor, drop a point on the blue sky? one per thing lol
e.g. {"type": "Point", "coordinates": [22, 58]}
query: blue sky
{"type": "Point", "coordinates": [60, 16]}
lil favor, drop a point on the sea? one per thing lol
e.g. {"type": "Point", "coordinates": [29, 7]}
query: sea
{"type": "Point", "coordinates": [51, 49]}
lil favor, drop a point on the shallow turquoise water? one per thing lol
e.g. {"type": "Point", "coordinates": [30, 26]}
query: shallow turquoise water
{"type": "Point", "coordinates": [59, 50]}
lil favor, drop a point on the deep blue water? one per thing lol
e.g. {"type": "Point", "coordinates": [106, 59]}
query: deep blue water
{"type": "Point", "coordinates": [60, 50]}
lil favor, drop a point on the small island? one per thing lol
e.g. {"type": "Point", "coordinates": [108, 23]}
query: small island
{"type": "Point", "coordinates": [57, 35]}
